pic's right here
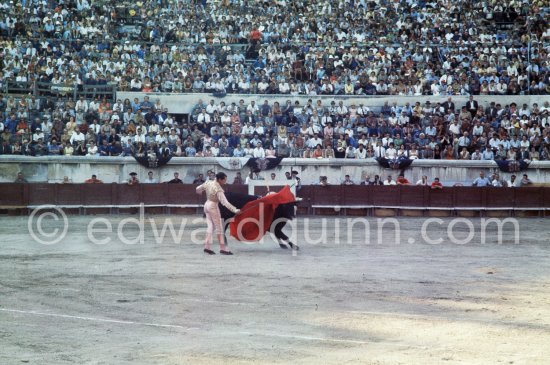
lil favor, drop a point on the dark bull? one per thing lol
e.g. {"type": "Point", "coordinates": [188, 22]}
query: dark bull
{"type": "Point", "coordinates": [283, 213]}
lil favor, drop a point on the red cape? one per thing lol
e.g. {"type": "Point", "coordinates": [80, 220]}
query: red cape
{"type": "Point", "coordinates": [257, 215]}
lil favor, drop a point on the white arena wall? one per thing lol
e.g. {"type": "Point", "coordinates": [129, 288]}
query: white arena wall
{"type": "Point", "coordinates": [116, 169]}
{"type": "Point", "coordinates": [183, 103]}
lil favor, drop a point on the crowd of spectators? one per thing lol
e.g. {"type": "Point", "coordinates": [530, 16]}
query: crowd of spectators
{"type": "Point", "coordinates": [438, 130]}
{"type": "Point", "coordinates": [376, 180]}
{"type": "Point", "coordinates": [334, 47]}
{"type": "Point", "coordinates": [362, 47]}
{"type": "Point", "coordinates": [482, 181]}
{"type": "Point", "coordinates": [388, 181]}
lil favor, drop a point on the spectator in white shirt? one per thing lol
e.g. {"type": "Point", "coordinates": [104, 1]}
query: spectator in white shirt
{"type": "Point", "coordinates": [512, 183]}
{"type": "Point", "coordinates": [454, 128]}
{"type": "Point", "coordinates": [253, 108]}
{"type": "Point", "coordinates": [477, 155]}
{"type": "Point", "coordinates": [92, 149]}
{"type": "Point", "coordinates": [391, 152]}
{"type": "Point", "coordinates": [248, 130]}
{"type": "Point", "coordinates": [81, 105]}
{"type": "Point", "coordinates": [423, 181]}
{"type": "Point", "coordinates": [389, 181]}
{"type": "Point", "coordinates": [204, 117]}
{"type": "Point", "coordinates": [259, 151]}
{"type": "Point", "coordinates": [379, 150]}
{"type": "Point", "coordinates": [225, 118]}
{"type": "Point", "coordinates": [284, 87]}
{"type": "Point", "coordinates": [361, 152]}
{"type": "Point", "coordinates": [211, 108]}
{"type": "Point", "coordinates": [312, 143]}
{"type": "Point", "coordinates": [387, 140]}
{"type": "Point", "coordinates": [150, 179]}
{"type": "Point", "coordinates": [39, 135]}
{"type": "Point", "coordinates": [77, 137]}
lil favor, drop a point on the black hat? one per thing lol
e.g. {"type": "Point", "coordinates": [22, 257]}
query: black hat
{"type": "Point", "coordinates": [133, 174]}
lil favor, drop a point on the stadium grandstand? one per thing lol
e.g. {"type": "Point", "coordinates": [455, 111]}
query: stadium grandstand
{"type": "Point", "coordinates": [63, 64]}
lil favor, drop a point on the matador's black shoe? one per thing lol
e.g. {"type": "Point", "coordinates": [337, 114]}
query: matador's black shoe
{"type": "Point", "coordinates": [208, 251]}
{"type": "Point", "coordinates": [223, 252]}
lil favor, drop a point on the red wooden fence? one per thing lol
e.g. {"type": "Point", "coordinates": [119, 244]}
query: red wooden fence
{"type": "Point", "coordinates": [67, 195]}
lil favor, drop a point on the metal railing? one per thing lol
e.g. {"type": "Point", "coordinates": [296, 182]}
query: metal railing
{"type": "Point", "coordinates": [45, 90]}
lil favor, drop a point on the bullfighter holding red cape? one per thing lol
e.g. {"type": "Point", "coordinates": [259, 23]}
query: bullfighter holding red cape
{"type": "Point", "coordinates": [257, 215]}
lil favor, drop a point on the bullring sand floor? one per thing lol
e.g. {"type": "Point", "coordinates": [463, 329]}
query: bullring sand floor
{"type": "Point", "coordinates": [347, 302]}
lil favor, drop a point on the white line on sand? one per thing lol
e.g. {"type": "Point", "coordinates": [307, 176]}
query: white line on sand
{"type": "Point", "coordinates": [308, 338]}
{"type": "Point", "coordinates": [94, 319]}
{"type": "Point", "coordinates": [417, 316]}
{"type": "Point", "coordinates": [290, 336]}
{"type": "Point", "coordinates": [324, 339]}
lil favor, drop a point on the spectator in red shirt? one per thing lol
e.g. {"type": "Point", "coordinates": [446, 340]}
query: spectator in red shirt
{"type": "Point", "coordinates": [402, 181]}
{"type": "Point", "coordinates": [93, 180]}
{"type": "Point", "coordinates": [255, 36]}
{"type": "Point", "coordinates": [436, 184]}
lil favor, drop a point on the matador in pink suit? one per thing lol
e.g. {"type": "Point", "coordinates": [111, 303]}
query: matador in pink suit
{"type": "Point", "coordinates": [215, 195]}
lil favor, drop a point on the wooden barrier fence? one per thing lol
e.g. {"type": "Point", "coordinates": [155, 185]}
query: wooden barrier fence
{"type": "Point", "coordinates": [340, 200]}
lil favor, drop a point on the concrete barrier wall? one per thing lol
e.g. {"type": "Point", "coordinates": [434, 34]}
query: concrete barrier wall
{"type": "Point", "coordinates": [50, 169]}
{"type": "Point", "coordinates": [183, 103]}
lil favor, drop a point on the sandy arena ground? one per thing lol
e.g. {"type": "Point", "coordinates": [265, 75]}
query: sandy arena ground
{"type": "Point", "coordinates": [347, 302]}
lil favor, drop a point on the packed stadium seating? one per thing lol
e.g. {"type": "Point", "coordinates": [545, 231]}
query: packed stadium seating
{"type": "Point", "coordinates": [73, 56]}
